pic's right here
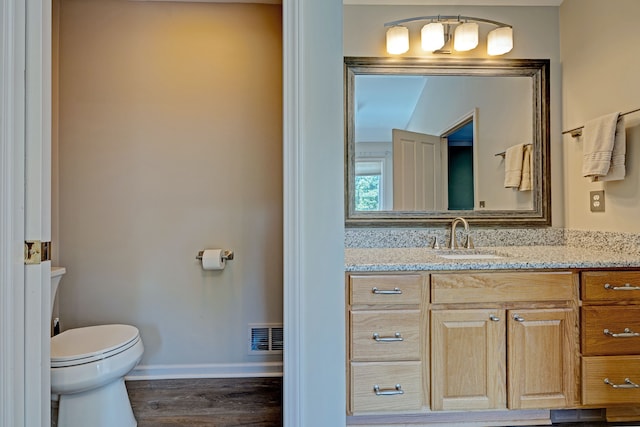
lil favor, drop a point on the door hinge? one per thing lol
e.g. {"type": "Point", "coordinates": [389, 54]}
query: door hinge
{"type": "Point", "coordinates": [36, 251]}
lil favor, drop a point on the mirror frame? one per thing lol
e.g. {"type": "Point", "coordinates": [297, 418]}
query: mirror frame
{"type": "Point", "coordinates": [537, 69]}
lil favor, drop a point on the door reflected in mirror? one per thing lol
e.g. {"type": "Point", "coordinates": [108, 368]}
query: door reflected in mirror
{"type": "Point", "coordinates": [424, 139]}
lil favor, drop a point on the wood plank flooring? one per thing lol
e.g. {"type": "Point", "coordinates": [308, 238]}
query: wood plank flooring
{"type": "Point", "coordinates": [227, 402]}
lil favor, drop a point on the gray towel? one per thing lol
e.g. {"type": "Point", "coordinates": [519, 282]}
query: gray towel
{"type": "Point", "coordinates": [599, 136]}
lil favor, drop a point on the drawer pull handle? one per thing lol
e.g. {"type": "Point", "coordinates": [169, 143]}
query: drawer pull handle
{"type": "Point", "coordinates": [397, 337]}
{"type": "Point", "coordinates": [627, 333]}
{"type": "Point", "coordinates": [627, 384]}
{"type": "Point", "coordinates": [494, 318]}
{"type": "Point", "coordinates": [626, 287]}
{"type": "Point", "coordinates": [394, 291]}
{"type": "Point", "coordinates": [389, 391]}
{"type": "Point", "coordinates": [518, 318]}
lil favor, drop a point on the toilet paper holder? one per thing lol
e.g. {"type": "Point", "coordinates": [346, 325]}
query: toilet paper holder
{"type": "Point", "coordinates": [226, 255]}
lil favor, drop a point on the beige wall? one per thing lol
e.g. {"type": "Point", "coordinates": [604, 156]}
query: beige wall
{"type": "Point", "coordinates": [170, 141]}
{"type": "Point", "coordinates": [600, 62]}
{"type": "Point", "coordinates": [536, 35]}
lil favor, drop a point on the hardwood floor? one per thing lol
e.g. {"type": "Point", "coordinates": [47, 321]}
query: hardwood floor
{"type": "Point", "coordinates": [227, 402]}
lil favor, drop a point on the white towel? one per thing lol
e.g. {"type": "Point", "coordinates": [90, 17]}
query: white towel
{"type": "Point", "coordinates": [513, 157]}
{"type": "Point", "coordinates": [526, 183]}
{"type": "Point", "coordinates": [599, 135]}
{"type": "Point", "coordinates": [617, 169]}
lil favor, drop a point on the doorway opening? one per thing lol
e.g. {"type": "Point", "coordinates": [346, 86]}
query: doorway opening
{"type": "Point", "coordinates": [459, 144]}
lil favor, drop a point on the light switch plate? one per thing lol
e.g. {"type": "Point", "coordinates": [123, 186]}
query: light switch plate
{"type": "Point", "coordinates": [596, 201]}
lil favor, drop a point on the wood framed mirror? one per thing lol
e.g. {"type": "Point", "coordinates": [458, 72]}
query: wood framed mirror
{"type": "Point", "coordinates": [425, 141]}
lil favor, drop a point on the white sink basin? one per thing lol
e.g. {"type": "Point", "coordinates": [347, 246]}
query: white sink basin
{"type": "Point", "coordinates": [470, 256]}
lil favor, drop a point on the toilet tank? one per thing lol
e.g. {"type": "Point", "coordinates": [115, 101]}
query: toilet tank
{"type": "Point", "coordinates": [56, 276]}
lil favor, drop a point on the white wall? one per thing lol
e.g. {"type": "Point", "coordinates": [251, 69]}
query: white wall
{"type": "Point", "coordinates": [170, 141]}
{"type": "Point", "coordinates": [505, 118]}
{"type": "Point", "coordinates": [536, 35]}
{"type": "Point", "coordinates": [600, 62]}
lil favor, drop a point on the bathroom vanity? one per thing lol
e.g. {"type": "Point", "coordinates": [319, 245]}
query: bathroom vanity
{"type": "Point", "coordinates": [490, 340]}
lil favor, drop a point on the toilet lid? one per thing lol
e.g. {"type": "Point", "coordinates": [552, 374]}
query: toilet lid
{"type": "Point", "coordinates": [84, 345]}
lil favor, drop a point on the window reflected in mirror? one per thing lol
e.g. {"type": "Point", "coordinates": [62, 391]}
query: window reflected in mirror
{"type": "Point", "coordinates": [370, 185]}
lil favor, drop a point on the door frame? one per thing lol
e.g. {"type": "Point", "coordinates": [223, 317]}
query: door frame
{"type": "Point", "coordinates": [25, 211]}
{"type": "Point", "coordinates": [313, 227]}
{"type": "Point", "coordinates": [12, 154]}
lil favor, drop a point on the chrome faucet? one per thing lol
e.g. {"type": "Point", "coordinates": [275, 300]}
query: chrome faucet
{"type": "Point", "coordinates": [454, 241]}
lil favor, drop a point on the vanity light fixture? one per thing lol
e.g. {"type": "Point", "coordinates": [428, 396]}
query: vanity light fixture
{"type": "Point", "coordinates": [466, 37]}
{"type": "Point", "coordinates": [436, 35]}
{"type": "Point", "coordinates": [397, 40]}
{"type": "Point", "coordinates": [432, 36]}
{"type": "Point", "coordinates": [500, 41]}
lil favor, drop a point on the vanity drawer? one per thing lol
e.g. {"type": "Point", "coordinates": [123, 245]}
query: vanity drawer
{"type": "Point", "coordinates": [386, 376]}
{"type": "Point", "coordinates": [386, 289]}
{"type": "Point", "coordinates": [611, 286]}
{"type": "Point", "coordinates": [385, 335]}
{"type": "Point", "coordinates": [501, 287]}
{"type": "Point", "coordinates": [622, 324]}
{"type": "Point", "coordinates": [614, 369]}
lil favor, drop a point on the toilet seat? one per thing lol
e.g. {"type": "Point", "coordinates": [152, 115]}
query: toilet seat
{"type": "Point", "coordinates": [89, 344]}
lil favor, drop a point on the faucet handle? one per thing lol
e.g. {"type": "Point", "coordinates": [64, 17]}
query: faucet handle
{"type": "Point", "coordinates": [469, 244]}
{"type": "Point", "coordinates": [435, 244]}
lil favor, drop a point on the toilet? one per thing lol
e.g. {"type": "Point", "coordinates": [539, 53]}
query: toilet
{"type": "Point", "coordinates": [88, 366]}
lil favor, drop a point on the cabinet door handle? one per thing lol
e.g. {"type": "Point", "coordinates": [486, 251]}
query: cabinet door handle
{"type": "Point", "coordinates": [518, 318]}
{"type": "Point", "coordinates": [394, 291]}
{"type": "Point", "coordinates": [389, 391]}
{"type": "Point", "coordinates": [627, 333]}
{"type": "Point", "coordinates": [627, 384]}
{"type": "Point", "coordinates": [626, 287]}
{"type": "Point", "coordinates": [396, 337]}
{"type": "Point", "coordinates": [494, 318]}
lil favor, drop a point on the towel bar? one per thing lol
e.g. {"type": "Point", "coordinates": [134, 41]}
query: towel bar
{"type": "Point", "coordinates": [576, 132]}
{"type": "Point", "coordinates": [504, 153]}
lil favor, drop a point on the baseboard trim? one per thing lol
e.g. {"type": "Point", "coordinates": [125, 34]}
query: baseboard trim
{"type": "Point", "coordinates": [216, 370]}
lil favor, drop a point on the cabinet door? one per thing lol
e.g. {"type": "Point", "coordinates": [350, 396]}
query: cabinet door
{"type": "Point", "coordinates": [468, 359]}
{"type": "Point", "coordinates": [541, 354]}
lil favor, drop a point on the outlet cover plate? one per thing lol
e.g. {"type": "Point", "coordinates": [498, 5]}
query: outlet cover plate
{"type": "Point", "coordinates": [596, 201]}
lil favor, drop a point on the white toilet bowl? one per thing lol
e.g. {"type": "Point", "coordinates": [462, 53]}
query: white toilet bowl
{"type": "Point", "coordinates": [88, 366]}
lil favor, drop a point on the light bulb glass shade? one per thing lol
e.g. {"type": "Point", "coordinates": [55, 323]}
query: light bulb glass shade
{"type": "Point", "coordinates": [432, 36]}
{"type": "Point", "coordinates": [397, 40]}
{"type": "Point", "coordinates": [466, 36]}
{"type": "Point", "coordinates": [500, 41]}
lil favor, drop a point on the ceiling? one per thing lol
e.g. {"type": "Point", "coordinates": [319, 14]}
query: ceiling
{"type": "Point", "coordinates": [384, 102]}
{"type": "Point", "coordinates": [455, 2]}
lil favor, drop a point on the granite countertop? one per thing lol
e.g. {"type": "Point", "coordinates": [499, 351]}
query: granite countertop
{"type": "Point", "coordinates": [509, 257]}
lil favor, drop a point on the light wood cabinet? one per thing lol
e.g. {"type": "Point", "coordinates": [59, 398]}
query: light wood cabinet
{"type": "Point", "coordinates": [608, 330]}
{"type": "Point", "coordinates": [516, 348]}
{"type": "Point", "coordinates": [387, 387]}
{"type": "Point", "coordinates": [387, 343]}
{"type": "Point", "coordinates": [433, 346]}
{"type": "Point", "coordinates": [542, 358]}
{"type": "Point", "coordinates": [610, 338]}
{"type": "Point", "coordinates": [468, 359]}
{"type": "Point", "coordinates": [385, 335]}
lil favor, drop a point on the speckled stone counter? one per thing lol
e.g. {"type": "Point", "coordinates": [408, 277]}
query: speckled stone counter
{"type": "Point", "coordinates": [508, 257]}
